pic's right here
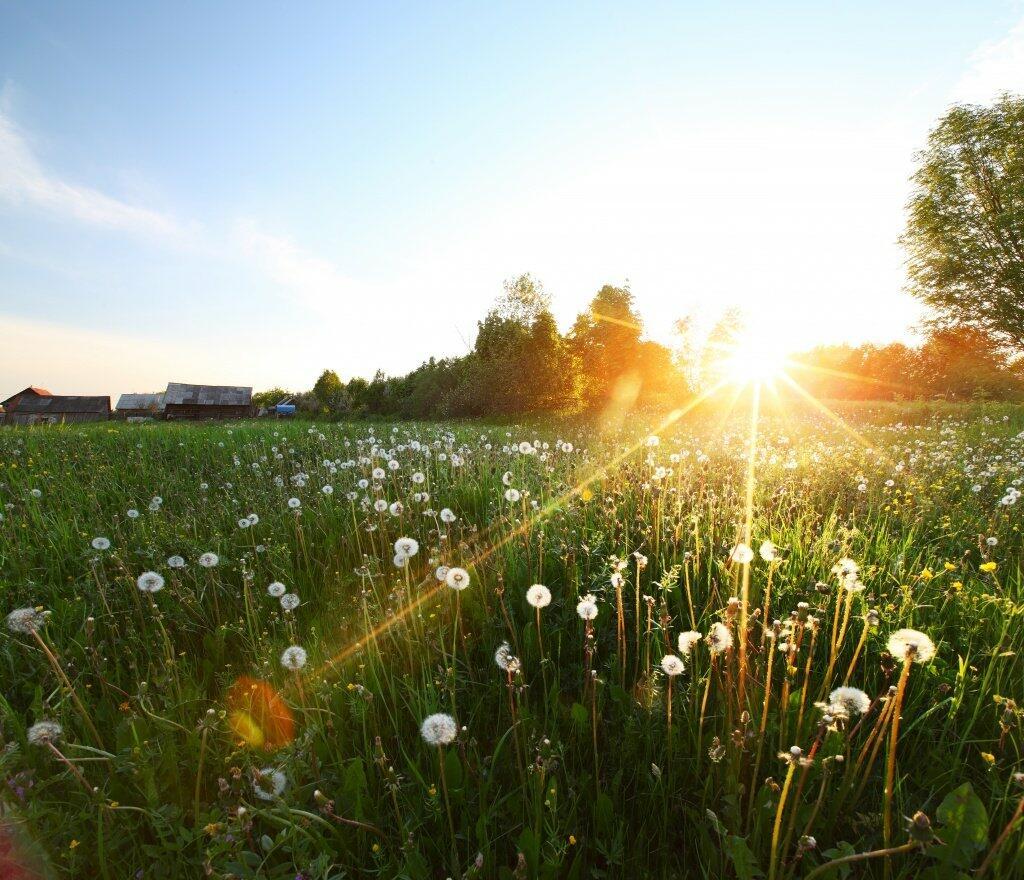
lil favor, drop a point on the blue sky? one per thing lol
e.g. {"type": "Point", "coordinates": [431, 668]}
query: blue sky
{"type": "Point", "coordinates": [249, 193]}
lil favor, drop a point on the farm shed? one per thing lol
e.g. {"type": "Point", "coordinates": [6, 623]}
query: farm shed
{"type": "Point", "coordinates": [140, 406]}
{"type": "Point", "coordinates": [11, 404]}
{"type": "Point", "coordinates": [58, 409]}
{"type": "Point", "coordinates": [183, 401]}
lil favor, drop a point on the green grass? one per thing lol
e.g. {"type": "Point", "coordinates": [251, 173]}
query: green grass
{"type": "Point", "coordinates": [555, 772]}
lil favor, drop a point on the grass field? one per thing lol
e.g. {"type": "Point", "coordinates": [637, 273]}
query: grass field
{"type": "Point", "coordinates": [589, 740]}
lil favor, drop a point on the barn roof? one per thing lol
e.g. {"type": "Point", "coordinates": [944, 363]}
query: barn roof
{"type": "Point", "coordinates": [141, 401]}
{"type": "Point", "coordinates": [207, 395]}
{"type": "Point", "coordinates": [31, 390]}
{"type": "Point", "coordinates": [61, 404]}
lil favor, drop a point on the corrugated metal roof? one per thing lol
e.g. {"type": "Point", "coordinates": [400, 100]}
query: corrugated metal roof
{"type": "Point", "coordinates": [141, 401]}
{"type": "Point", "coordinates": [42, 405]}
{"type": "Point", "coordinates": [208, 395]}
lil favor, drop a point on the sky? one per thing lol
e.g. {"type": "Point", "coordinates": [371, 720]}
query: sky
{"type": "Point", "coordinates": [248, 193]}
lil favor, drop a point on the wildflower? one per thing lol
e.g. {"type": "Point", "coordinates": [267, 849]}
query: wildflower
{"type": "Point", "coordinates": [795, 755]}
{"type": "Point", "coordinates": [768, 551]}
{"type": "Point", "coordinates": [328, 489]}
{"type": "Point", "coordinates": [294, 503]}
{"type": "Point", "coordinates": [133, 513]}
{"type": "Point", "coordinates": [587, 607]}
{"type": "Point", "coordinates": [407, 547]}
{"type": "Point", "coordinates": [101, 543]}
{"type": "Point", "coordinates": [25, 620]}
{"type": "Point", "coordinates": [538, 596]}
{"type": "Point", "coordinates": [209, 560]}
{"type": "Point", "coordinates": [400, 560]}
{"type": "Point", "coordinates": [290, 601]}
{"type": "Point", "coordinates": [719, 638]}
{"type": "Point", "coordinates": [447, 515]}
{"type": "Point", "coordinates": [150, 582]}
{"type": "Point", "coordinates": [268, 783]}
{"type": "Point", "coordinates": [439, 729]}
{"type": "Point", "coordinates": [671, 665]}
{"type": "Point", "coordinates": [512, 495]}
{"type": "Point", "coordinates": [457, 578]}
{"type": "Point", "coordinates": [293, 658]}
{"type": "Point", "coordinates": [276, 589]}
{"type": "Point", "coordinates": [989, 566]}
{"type": "Point", "coordinates": [847, 701]}
{"type": "Point", "coordinates": [687, 641]}
{"type": "Point", "coordinates": [911, 645]}
{"type": "Point", "coordinates": [741, 554]}
{"type": "Point", "coordinates": [441, 572]}
{"type": "Point", "coordinates": [44, 732]}
{"type": "Point", "coordinates": [175, 561]}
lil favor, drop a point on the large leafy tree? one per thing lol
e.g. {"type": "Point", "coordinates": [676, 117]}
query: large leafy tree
{"type": "Point", "coordinates": [965, 229]}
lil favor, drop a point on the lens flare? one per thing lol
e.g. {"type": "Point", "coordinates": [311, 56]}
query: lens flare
{"type": "Point", "coordinates": [258, 716]}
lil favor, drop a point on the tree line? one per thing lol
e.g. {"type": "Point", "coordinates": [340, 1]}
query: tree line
{"type": "Point", "coordinates": [964, 240]}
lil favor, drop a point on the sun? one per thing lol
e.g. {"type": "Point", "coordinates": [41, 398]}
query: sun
{"type": "Point", "coordinates": [754, 360]}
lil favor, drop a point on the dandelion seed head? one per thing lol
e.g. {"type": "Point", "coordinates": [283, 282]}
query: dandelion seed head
{"type": "Point", "coordinates": [44, 732]}
{"type": "Point", "coordinates": [294, 658]}
{"type": "Point", "coordinates": [911, 645]}
{"type": "Point", "coordinates": [25, 620]}
{"type": "Point", "coordinates": [439, 729]}
{"type": "Point", "coordinates": [538, 596]}
{"type": "Point", "coordinates": [268, 783]}
{"type": "Point", "coordinates": [457, 578]}
{"type": "Point", "coordinates": [671, 665]}
{"type": "Point", "coordinates": [150, 582]}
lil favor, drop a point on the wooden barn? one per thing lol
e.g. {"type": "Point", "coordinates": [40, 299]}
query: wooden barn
{"type": "Point", "coordinates": [183, 401]}
{"type": "Point", "coordinates": [140, 406]}
{"type": "Point", "coordinates": [57, 409]}
{"type": "Point", "coordinates": [11, 403]}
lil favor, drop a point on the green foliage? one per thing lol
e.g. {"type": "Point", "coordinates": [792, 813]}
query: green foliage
{"type": "Point", "coordinates": [963, 832]}
{"type": "Point", "coordinates": [965, 229]}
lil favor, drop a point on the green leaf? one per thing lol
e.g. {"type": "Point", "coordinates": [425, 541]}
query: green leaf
{"type": "Point", "coordinates": [840, 851]}
{"type": "Point", "coordinates": [743, 860]}
{"type": "Point", "coordinates": [965, 828]}
{"type": "Point", "coordinates": [453, 770]}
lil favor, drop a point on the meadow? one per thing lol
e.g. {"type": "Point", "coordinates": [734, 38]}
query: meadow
{"type": "Point", "coordinates": [710, 646]}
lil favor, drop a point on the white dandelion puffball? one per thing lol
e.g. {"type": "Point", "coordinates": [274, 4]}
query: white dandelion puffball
{"type": "Point", "coordinates": [380, 505]}
{"type": "Point", "coordinates": [133, 513]}
{"type": "Point", "coordinates": [150, 582]}
{"type": "Point", "coordinates": [671, 665]}
{"type": "Point", "coordinates": [268, 784]}
{"type": "Point", "coordinates": [293, 658]}
{"type": "Point", "coordinates": [400, 560]}
{"type": "Point", "coordinates": [294, 503]}
{"type": "Point", "coordinates": [439, 729]}
{"type": "Point", "coordinates": [44, 732]}
{"type": "Point", "coordinates": [687, 641]}
{"type": "Point", "coordinates": [587, 607]}
{"type": "Point", "coordinates": [25, 620]}
{"type": "Point", "coordinates": [768, 551]}
{"type": "Point", "coordinates": [277, 590]}
{"type": "Point", "coordinates": [538, 596]}
{"type": "Point", "coordinates": [175, 561]}
{"type": "Point", "coordinates": [457, 578]}
{"type": "Point", "coordinates": [441, 573]}
{"type": "Point", "coordinates": [513, 495]}
{"type": "Point", "coordinates": [328, 489]}
{"type": "Point", "coordinates": [447, 515]}
{"type": "Point", "coordinates": [742, 554]}
{"type": "Point", "coordinates": [290, 601]}
{"type": "Point", "coordinates": [911, 645]}
{"type": "Point", "coordinates": [719, 638]}
{"type": "Point", "coordinates": [101, 543]}
{"type": "Point", "coordinates": [848, 701]}
{"type": "Point", "coordinates": [209, 560]}
{"type": "Point", "coordinates": [407, 547]}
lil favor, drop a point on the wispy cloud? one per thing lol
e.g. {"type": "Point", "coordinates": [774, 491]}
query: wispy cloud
{"type": "Point", "coordinates": [994, 67]}
{"type": "Point", "coordinates": [26, 182]}
{"type": "Point", "coordinates": [317, 282]}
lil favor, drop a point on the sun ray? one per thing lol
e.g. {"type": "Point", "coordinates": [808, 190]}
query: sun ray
{"type": "Point", "coordinates": [528, 523]}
